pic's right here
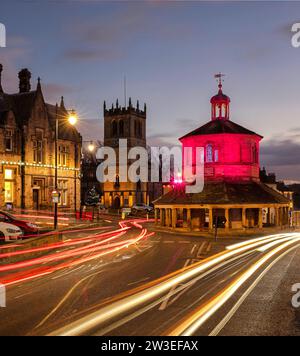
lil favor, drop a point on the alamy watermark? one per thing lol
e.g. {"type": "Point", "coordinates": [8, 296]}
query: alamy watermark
{"type": "Point", "coordinates": [176, 165]}
{"type": "Point", "coordinates": [296, 296]}
{"type": "Point", "coordinates": [2, 35]}
{"type": "Point", "coordinates": [2, 296]}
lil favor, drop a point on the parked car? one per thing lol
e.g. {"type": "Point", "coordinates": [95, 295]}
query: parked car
{"type": "Point", "coordinates": [141, 208]}
{"type": "Point", "coordinates": [9, 232]}
{"type": "Point", "coordinates": [27, 227]}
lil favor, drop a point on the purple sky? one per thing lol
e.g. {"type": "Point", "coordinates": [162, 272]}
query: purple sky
{"type": "Point", "coordinates": [169, 52]}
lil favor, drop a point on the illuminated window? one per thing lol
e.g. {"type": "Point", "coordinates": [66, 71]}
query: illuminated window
{"type": "Point", "coordinates": [209, 154]}
{"type": "Point", "coordinates": [63, 156]}
{"type": "Point", "coordinates": [216, 155]}
{"type": "Point", "coordinates": [9, 186]}
{"type": "Point", "coordinates": [9, 174]}
{"type": "Point", "coordinates": [8, 140]}
{"type": "Point", "coordinates": [8, 196]}
{"type": "Point", "coordinates": [38, 147]}
{"type": "Point", "coordinates": [63, 189]}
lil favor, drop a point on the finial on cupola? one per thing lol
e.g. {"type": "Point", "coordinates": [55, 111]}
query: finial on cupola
{"type": "Point", "coordinates": [130, 103]}
{"type": "Point", "coordinates": [138, 105]}
{"type": "Point", "coordinates": [104, 105]}
{"type": "Point", "coordinates": [117, 104]}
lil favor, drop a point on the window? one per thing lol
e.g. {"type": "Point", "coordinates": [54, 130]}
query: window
{"type": "Point", "coordinates": [8, 140]}
{"type": "Point", "coordinates": [216, 155]}
{"type": "Point", "coordinates": [114, 129]}
{"type": "Point", "coordinates": [38, 147]}
{"type": "Point", "coordinates": [121, 128]}
{"type": "Point", "coordinates": [63, 156]}
{"type": "Point", "coordinates": [63, 189]}
{"type": "Point", "coordinates": [209, 154]}
{"type": "Point", "coordinates": [9, 186]}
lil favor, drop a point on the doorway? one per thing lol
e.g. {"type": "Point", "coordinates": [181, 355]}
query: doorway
{"type": "Point", "coordinates": [36, 199]}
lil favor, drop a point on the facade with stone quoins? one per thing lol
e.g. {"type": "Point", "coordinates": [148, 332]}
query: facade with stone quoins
{"type": "Point", "coordinates": [27, 150]}
{"type": "Point", "coordinates": [233, 195]}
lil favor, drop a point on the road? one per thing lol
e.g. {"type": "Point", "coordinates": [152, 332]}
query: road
{"type": "Point", "coordinates": [130, 281]}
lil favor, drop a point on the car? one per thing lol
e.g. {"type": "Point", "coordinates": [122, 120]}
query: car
{"type": "Point", "coordinates": [10, 232]}
{"type": "Point", "coordinates": [26, 227]}
{"type": "Point", "coordinates": [141, 208]}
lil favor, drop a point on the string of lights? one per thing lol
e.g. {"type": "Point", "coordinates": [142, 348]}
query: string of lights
{"type": "Point", "coordinates": [29, 164]}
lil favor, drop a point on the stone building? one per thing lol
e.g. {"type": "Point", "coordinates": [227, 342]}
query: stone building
{"type": "Point", "coordinates": [27, 149]}
{"type": "Point", "coordinates": [124, 123]}
{"type": "Point", "coordinates": [233, 195]}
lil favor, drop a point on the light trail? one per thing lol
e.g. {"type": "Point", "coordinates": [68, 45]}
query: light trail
{"type": "Point", "coordinates": [63, 244]}
{"type": "Point", "coordinates": [155, 289]}
{"type": "Point", "coordinates": [110, 248]}
{"type": "Point", "coordinates": [189, 326]}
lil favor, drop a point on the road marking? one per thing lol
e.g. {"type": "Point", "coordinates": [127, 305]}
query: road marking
{"type": "Point", "coordinates": [65, 298]}
{"type": "Point", "coordinates": [164, 304]}
{"type": "Point", "coordinates": [193, 248]}
{"type": "Point", "coordinates": [201, 248]}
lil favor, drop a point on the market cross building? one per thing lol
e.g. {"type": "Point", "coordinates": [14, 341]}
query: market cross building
{"type": "Point", "coordinates": [27, 149]}
{"type": "Point", "coordinates": [233, 195]}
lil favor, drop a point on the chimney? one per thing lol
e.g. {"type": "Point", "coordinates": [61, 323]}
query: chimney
{"type": "Point", "coordinates": [24, 84]}
{"type": "Point", "coordinates": [1, 68]}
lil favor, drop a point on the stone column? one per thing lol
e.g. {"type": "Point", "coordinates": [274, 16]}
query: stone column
{"type": "Point", "coordinates": [244, 217]}
{"type": "Point", "coordinates": [156, 216]}
{"type": "Point", "coordinates": [189, 219]}
{"type": "Point", "coordinates": [211, 219]}
{"type": "Point", "coordinates": [260, 218]}
{"type": "Point", "coordinates": [162, 217]}
{"type": "Point", "coordinates": [227, 217]}
{"type": "Point", "coordinates": [167, 217]}
{"type": "Point", "coordinates": [276, 217]}
{"type": "Point", "coordinates": [174, 218]}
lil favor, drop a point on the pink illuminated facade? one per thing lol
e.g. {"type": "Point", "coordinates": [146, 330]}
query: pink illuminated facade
{"type": "Point", "coordinates": [231, 151]}
{"type": "Point", "coordinates": [233, 196]}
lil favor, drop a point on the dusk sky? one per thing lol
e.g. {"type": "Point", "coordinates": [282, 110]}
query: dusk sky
{"type": "Point", "coordinates": [169, 52]}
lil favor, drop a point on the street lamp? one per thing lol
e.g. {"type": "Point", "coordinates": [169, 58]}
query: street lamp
{"type": "Point", "coordinates": [72, 119]}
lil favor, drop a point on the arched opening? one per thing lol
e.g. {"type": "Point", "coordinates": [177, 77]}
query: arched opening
{"type": "Point", "coordinates": [117, 202]}
{"type": "Point", "coordinates": [121, 128]}
{"type": "Point", "coordinates": [114, 128]}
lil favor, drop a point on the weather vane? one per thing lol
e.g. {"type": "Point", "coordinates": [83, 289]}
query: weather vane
{"type": "Point", "coordinates": [219, 77]}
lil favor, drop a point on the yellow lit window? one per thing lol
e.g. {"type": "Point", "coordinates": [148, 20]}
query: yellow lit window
{"type": "Point", "coordinates": [8, 174]}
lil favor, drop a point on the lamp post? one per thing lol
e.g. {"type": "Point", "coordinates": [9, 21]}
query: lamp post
{"type": "Point", "coordinates": [72, 118]}
{"type": "Point", "coordinates": [91, 148]}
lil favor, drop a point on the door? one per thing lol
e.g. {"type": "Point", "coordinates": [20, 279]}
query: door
{"type": "Point", "coordinates": [36, 199]}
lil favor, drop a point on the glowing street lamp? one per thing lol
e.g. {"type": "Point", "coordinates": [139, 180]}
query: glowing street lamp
{"type": "Point", "coordinates": [72, 119]}
{"type": "Point", "coordinates": [91, 146]}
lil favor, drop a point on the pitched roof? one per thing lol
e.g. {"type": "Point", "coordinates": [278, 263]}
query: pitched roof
{"type": "Point", "coordinates": [225, 193]}
{"type": "Point", "coordinates": [220, 127]}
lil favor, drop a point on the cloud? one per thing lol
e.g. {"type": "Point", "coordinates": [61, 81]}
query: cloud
{"type": "Point", "coordinates": [281, 153]}
{"type": "Point", "coordinates": [53, 91]}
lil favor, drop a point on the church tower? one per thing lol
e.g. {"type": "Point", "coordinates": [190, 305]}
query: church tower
{"type": "Point", "coordinates": [129, 123]}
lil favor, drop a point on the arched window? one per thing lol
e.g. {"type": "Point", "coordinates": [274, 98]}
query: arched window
{"type": "Point", "coordinates": [114, 128]}
{"type": "Point", "coordinates": [216, 155]}
{"type": "Point", "coordinates": [209, 154]}
{"type": "Point", "coordinates": [136, 129]}
{"type": "Point", "coordinates": [121, 128]}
